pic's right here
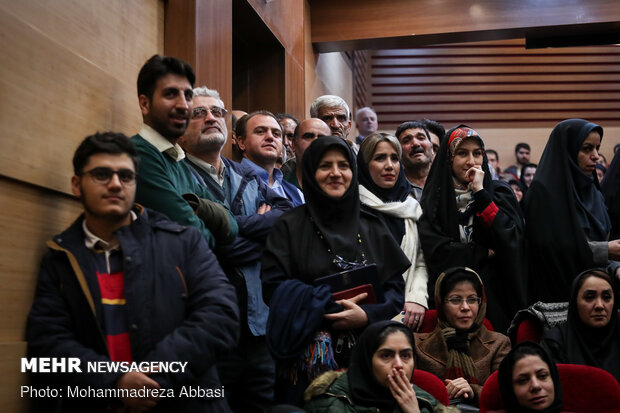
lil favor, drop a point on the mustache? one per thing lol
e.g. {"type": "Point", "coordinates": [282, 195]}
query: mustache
{"type": "Point", "coordinates": [416, 149]}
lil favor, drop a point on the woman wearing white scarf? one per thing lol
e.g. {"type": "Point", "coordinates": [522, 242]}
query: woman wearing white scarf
{"type": "Point", "coordinates": [385, 189]}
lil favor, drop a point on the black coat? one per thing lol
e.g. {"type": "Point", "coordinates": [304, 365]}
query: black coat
{"type": "Point", "coordinates": [180, 307]}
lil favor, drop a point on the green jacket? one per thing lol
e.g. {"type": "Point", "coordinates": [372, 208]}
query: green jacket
{"type": "Point", "coordinates": [161, 183]}
{"type": "Point", "coordinates": [330, 393]}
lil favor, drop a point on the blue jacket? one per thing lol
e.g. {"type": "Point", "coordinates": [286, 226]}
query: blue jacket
{"type": "Point", "coordinates": [244, 192]}
{"type": "Point", "coordinates": [293, 193]}
{"type": "Point", "coordinates": [180, 307]}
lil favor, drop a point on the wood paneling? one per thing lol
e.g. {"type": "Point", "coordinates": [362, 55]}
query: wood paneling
{"type": "Point", "coordinates": [11, 378]}
{"type": "Point", "coordinates": [364, 24]}
{"type": "Point", "coordinates": [496, 84]}
{"type": "Point", "coordinates": [68, 69]}
{"type": "Point", "coordinates": [52, 95]}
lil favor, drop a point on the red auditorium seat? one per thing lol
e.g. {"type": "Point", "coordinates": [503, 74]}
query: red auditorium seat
{"type": "Point", "coordinates": [530, 329]}
{"type": "Point", "coordinates": [584, 389]}
{"type": "Point", "coordinates": [432, 384]}
{"type": "Point", "coordinates": [430, 322]}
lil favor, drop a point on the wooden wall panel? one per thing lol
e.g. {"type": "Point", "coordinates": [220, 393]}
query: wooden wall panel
{"type": "Point", "coordinates": [52, 96]}
{"type": "Point", "coordinates": [68, 68]}
{"type": "Point", "coordinates": [496, 84]}
{"type": "Point", "coordinates": [365, 24]}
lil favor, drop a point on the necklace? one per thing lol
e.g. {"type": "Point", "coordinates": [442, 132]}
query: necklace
{"type": "Point", "coordinates": [338, 260]}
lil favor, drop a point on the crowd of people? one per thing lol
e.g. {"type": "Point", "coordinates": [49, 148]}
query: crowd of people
{"type": "Point", "coordinates": [301, 271]}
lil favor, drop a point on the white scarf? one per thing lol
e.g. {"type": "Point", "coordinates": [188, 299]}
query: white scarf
{"type": "Point", "coordinates": [416, 276]}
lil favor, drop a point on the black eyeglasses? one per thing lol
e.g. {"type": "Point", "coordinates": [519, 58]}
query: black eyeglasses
{"type": "Point", "coordinates": [347, 265]}
{"type": "Point", "coordinates": [103, 175]}
{"type": "Point", "coordinates": [458, 301]}
{"type": "Point", "coordinates": [201, 112]}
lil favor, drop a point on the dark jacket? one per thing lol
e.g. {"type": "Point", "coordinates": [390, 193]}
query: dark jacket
{"type": "Point", "coordinates": [243, 192]}
{"type": "Point", "coordinates": [180, 307]}
{"type": "Point", "coordinates": [330, 393]}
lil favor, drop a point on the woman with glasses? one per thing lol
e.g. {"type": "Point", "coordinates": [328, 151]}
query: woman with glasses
{"type": "Point", "coordinates": [461, 350]}
{"type": "Point", "coordinates": [385, 191]}
{"type": "Point", "coordinates": [307, 331]}
{"type": "Point", "coordinates": [471, 220]}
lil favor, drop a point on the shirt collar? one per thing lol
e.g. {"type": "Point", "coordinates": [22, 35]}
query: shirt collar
{"type": "Point", "coordinates": [162, 144]}
{"type": "Point", "coordinates": [210, 169]}
{"type": "Point", "coordinates": [95, 243]}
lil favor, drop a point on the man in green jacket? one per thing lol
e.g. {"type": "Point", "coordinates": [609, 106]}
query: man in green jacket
{"type": "Point", "coordinates": [165, 182]}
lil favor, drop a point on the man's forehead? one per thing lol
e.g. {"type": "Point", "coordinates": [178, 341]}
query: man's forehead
{"type": "Point", "coordinates": [206, 101]}
{"type": "Point", "coordinates": [287, 122]}
{"type": "Point", "coordinates": [103, 159]}
{"type": "Point", "coordinates": [413, 132]}
{"type": "Point", "coordinates": [332, 110]}
{"type": "Point", "coordinates": [174, 81]}
{"type": "Point", "coordinates": [263, 120]}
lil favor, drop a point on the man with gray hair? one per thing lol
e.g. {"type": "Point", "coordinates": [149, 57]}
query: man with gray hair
{"type": "Point", "coordinates": [334, 111]}
{"type": "Point", "coordinates": [247, 371]}
{"type": "Point", "coordinates": [366, 123]}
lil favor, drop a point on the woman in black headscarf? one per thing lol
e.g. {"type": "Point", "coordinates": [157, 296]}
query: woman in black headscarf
{"type": "Point", "coordinates": [385, 191]}
{"type": "Point", "coordinates": [567, 223]}
{"type": "Point", "coordinates": [326, 235]}
{"type": "Point", "coordinates": [461, 350]}
{"type": "Point", "coordinates": [610, 187]}
{"type": "Point", "coordinates": [470, 220]}
{"type": "Point", "coordinates": [378, 379]}
{"type": "Point", "coordinates": [529, 381]}
{"type": "Point", "coordinates": [591, 334]}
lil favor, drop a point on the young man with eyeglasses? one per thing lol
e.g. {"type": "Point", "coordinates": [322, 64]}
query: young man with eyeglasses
{"type": "Point", "coordinates": [164, 180]}
{"type": "Point", "coordinates": [247, 370]}
{"type": "Point", "coordinates": [125, 284]}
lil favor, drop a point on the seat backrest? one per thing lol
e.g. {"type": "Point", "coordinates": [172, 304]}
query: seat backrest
{"type": "Point", "coordinates": [529, 329]}
{"type": "Point", "coordinates": [584, 389]}
{"type": "Point", "coordinates": [430, 322]}
{"type": "Point", "coordinates": [432, 384]}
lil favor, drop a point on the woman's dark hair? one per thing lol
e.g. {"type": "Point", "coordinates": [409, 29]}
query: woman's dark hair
{"type": "Point", "coordinates": [506, 369]}
{"type": "Point", "coordinates": [455, 276]}
{"type": "Point", "coordinates": [595, 272]}
{"type": "Point", "coordinates": [391, 329]}
{"type": "Point", "coordinates": [112, 143]}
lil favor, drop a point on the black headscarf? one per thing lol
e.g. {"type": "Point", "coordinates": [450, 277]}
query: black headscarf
{"type": "Point", "coordinates": [506, 369]}
{"type": "Point", "coordinates": [365, 390]}
{"type": "Point", "coordinates": [563, 210]}
{"type": "Point", "coordinates": [398, 193]}
{"type": "Point", "coordinates": [581, 344]}
{"type": "Point", "coordinates": [502, 275]}
{"type": "Point", "coordinates": [610, 187]}
{"type": "Point", "coordinates": [336, 218]}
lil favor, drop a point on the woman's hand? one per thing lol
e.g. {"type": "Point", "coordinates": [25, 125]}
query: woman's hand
{"type": "Point", "coordinates": [475, 176]}
{"type": "Point", "coordinates": [403, 391]}
{"type": "Point", "coordinates": [264, 208]}
{"type": "Point", "coordinates": [414, 316]}
{"type": "Point", "coordinates": [353, 316]}
{"type": "Point", "coordinates": [459, 388]}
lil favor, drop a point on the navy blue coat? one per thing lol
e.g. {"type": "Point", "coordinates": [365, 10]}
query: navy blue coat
{"type": "Point", "coordinates": [180, 307]}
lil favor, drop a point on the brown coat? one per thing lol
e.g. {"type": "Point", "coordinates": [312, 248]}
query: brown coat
{"type": "Point", "coordinates": [487, 349]}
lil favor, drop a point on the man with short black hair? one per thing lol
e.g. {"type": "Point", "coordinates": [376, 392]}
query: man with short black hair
{"type": "Point", "coordinates": [165, 182]}
{"type": "Point", "coordinates": [366, 123]}
{"type": "Point", "coordinates": [259, 136]}
{"type": "Point", "coordinates": [417, 154]}
{"type": "Point", "coordinates": [125, 284]}
{"type": "Point", "coordinates": [436, 131]}
{"type": "Point", "coordinates": [493, 159]}
{"type": "Point", "coordinates": [289, 123]}
{"type": "Point", "coordinates": [522, 155]}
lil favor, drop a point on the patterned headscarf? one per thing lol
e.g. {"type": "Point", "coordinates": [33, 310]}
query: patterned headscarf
{"type": "Point", "coordinates": [459, 363]}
